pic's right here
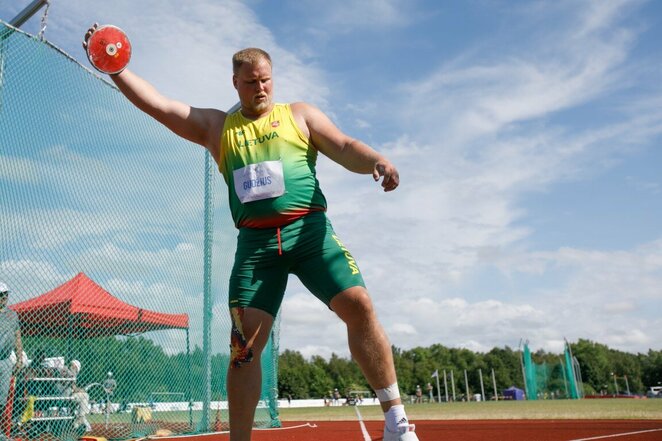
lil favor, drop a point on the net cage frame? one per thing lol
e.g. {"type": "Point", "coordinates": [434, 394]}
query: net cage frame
{"type": "Point", "coordinates": [207, 417]}
{"type": "Point", "coordinates": [550, 380]}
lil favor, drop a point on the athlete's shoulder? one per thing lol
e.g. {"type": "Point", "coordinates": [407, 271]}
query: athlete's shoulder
{"type": "Point", "coordinates": [307, 109]}
{"type": "Point", "coordinates": [305, 112]}
{"type": "Point", "coordinates": [301, 114]}
{"type": "Point", "coordinates": [300, 106]}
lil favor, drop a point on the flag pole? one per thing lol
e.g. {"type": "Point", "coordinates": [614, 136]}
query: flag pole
{"type": "Point", "coordinates": [482, 387]}
{"type": "Point", "coordinates": [496, 395]}
{"type": "Point", "coordinates": [445, 387]}
{"type": "Point", "coordinates": [466, 385]}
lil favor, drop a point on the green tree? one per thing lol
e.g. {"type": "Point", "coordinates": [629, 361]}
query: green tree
{"type": "Point", "coordinates": [651, 368]}
{"type": "Point", "coordinates": [320, 381]}
{"type": "Point", "coordinates": [292, 375]}
{"type": "Point", "coordinates": [595, 365]}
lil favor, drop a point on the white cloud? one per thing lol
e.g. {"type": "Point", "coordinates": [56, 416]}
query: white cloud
{"type": "Point", "coordinates": [310, 327]}
{"type": "Point", "coordinates": [620, 307]}
{"type": "Point", "coordinates": [347, 15]}
{"type": "Point", "coordinates": [472, 136]}
{"type": "Point", "coordinates": [477, 136]}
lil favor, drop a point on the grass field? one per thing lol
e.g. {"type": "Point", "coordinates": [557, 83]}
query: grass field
{"type": "Point", "coordinates": [549, 409]}
{"type": "Point", "coordinates": [607, 409]}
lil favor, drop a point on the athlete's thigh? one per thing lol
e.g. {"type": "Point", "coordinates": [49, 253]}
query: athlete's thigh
{"type": "Point", "coordinates": [329, 268]}
{"type": "Point", "coordinates": [258, 280]}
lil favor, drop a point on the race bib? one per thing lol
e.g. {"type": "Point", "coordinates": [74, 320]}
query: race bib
{"type": "Point", "coordinates": [259, 181]}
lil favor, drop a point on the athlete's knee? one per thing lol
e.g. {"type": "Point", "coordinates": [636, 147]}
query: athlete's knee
{"type": "Point", "coordinates": [241, 351]}
{"type": "Point", "coordinates": [353, 305]}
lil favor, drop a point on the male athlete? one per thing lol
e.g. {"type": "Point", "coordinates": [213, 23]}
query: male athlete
{"type": "Point", "coordinates": [267, 154]}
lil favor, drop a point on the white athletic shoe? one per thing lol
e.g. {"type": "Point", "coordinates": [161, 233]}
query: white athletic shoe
{"type": "Point", "coordinates": [404, 433]}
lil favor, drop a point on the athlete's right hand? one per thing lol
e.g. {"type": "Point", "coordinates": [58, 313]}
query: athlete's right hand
{"type": "Point", "coordinates": [88, 34]}
{"type": "Point", "coordinates": [391, 178]}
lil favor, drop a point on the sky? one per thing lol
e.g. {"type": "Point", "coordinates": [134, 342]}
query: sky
{"type": "Point", "coordinates": [526, 134]}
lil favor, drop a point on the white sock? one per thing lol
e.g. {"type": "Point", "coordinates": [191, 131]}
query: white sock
{"type": "Point", "coordinates": [396, 417]}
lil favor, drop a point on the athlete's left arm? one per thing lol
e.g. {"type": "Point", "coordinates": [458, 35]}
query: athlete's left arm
{"type": "Point", "coordinates": [351, 153]}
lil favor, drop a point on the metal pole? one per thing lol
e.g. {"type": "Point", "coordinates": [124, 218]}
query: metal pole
{"type": "Point", "coordinates": [627, 385]}
{"type": "Point", "coordinates": [207, 302]}
{"type": "Point", "coordinates": [466, 384]}
{"type": "Point", "coordinates": [496, 394]}
{"type": "Point", "coordinates": [27, 12]}
{"type": "Point", "coordinates": [453, 384]}
{"type": "Point", "coordinates": [521, 362]}
{"type": "Point", "coordinates": [438, 389]}
{"type": "Point", "coordinates": [615, 384]}
{"type": "Point", "coordinates": [190, 379]}
{"type": "Point", "coordinates": [445, 388]}
{"type": "Point", "coordinates": [207, 296]}
{"type": "Point", "coordinates": [482, 387]}
{"type": "Point", "coordinates": [578, 370]}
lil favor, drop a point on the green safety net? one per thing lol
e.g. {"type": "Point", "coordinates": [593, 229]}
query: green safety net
{"type": "Point", "coordinates": [530, 375]}
{"type": "Point", "coordinates": [116, 244]}
{"type": "Point", "coordinates": [571, 373]}
{"type": "Point", "coordinates": [548, 379]}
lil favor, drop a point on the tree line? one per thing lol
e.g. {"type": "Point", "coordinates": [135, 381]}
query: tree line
{"type": "Point", "coordinates": [143, 369]}
{"type": "Point", "coordinates": [603, 370]}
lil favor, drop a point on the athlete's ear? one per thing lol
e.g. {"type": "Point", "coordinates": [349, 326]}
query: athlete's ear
{"type": "Point", "coordinates": [234, 81]}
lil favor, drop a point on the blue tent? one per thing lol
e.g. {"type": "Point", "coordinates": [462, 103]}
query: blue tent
{"type": "Point", "coordinates": [513, 393]}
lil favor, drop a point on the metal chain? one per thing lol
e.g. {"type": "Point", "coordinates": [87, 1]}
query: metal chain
{"type": "Point", "coordinates": [44, 20]}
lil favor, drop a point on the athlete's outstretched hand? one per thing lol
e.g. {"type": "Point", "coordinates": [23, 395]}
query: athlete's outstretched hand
{"type": "Point", "coordinates": [89, 33]}
{"type": "Point", "coordinates": [385, 169]}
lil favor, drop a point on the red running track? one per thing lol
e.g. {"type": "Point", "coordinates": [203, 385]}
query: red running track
{"type": "Point", "coordinates": [460, 430]}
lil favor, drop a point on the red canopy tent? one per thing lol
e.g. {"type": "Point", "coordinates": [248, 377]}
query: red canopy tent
{"type": "Point", "coordinates": [82, 309]}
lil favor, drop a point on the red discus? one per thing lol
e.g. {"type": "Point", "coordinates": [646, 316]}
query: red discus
{"type": "Point", "coordinates": [109, 49]}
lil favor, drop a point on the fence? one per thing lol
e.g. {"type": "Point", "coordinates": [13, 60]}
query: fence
{"type": "Point", "coordinates": [116, 245]}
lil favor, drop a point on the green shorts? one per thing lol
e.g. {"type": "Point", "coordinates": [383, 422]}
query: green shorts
{"type": "Point", "coordinates": [308, 248]}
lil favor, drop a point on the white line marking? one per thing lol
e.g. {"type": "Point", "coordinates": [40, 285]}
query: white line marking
{"type": "Point", "coordinates": [313, 425]}
{"type": "Point", "coordinates": [178, 437]}
{"type": "Point", "coordinates": [196, 435]}
{"type": "Point", "coordinates": [366, 437]}
{"type": "Point", "coordinates": [617, 435]}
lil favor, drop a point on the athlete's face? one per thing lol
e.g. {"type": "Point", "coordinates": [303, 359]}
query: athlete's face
{"type": "Point", "coordinates": [254, 86]}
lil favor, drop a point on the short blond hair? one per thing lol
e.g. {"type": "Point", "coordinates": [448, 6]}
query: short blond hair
{"type": "Point", "coordinates": [249, 55]}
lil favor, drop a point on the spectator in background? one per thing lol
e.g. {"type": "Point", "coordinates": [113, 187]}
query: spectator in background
{"type": "Point", "coordinates": [82, 400]}
{"type": "Point", "coordinates": [419, 394]}
{"type": "Point", "coordinates": [10, 340]}
{"type": "Point", "coordinates": [109, 385]}
{"type": "Point", "coordinates": [68, 374]}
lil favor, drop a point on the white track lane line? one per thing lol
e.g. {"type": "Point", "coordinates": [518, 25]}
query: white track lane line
{"type": "Point", "coordinates": [213, 434]}
{"type": "Point", "coordinates": [366, 437]}
{"type": "Point", "coordinates": [617, 435]}
{"type": "Point", "coordinates": [313, 425]}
